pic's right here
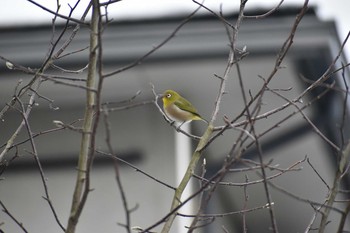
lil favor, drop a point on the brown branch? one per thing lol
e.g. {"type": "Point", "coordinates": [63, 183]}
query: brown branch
{"type": "Point", "coordinates": [56, 14]}
{"type": "Point", "coordinates": [128, 106]}
{"type": "Point", "coordinates": [68, 84]}
{"type": "Point", "coordinates": [245, 206]}
{"type": "Point", "coordinates": [201, 200]}
{"type": "Point", "coordinates": [219, 16]}
{"type": "Point", "coordinates": [318, 174]}
{"type": "Point", "coordinates": [289, 169]}
{"type": "Point", "coordinates": [79, 71]}
{"type": "Point", "coordinates": [280, 57]}
{"type": "Point", "coordinates": [25, 114]}
{"type": "Point", "coordinates": [176, 203]}
{"type": "Point", "coordinates": [267, 13]}
{"type": "Point", "coordinates": [206, 136]}
{"type": "Point", "coordinates": [127, 101]}
{"type": "Point", "coordinates": [258, 146]}
{"type": "Point", "coordinates": [117, 172]}
{"type": "Point", "coordinates": [91, 118]}
{"type": "Point", "coordinates": [307, 119]}
{"type": "Point", "coordinates": [243, 211]}
{"type": "Point", "coordinates": [27, 70]}
{"type": "Point", "coordinates": [345, 104]}
{"type": "Point", "coordinates": [327, 74]}
{"type": "Point", "coordinates": [109, 2]}
{"type": "Point", "coordinates": [50, 55]}
{"type": "Point", "coordinates": [344, 159]}
{"type": "Point", "coordinates": [277, 124]}
{"type": "Point", "coordinates": [305, 200]}
{"type": "Point", "coordinates": [343, 218]}
{"type": "Point", "coordinates": [6, 211]}
{"type": "Point", "coordinates": [157, 47]}
{"type": "Point", "coordinates": [135, 168]}
{"type": "Point", "coordinates": [182, 203]}
{"type": "Point", "coordinates": [44, 132]}
{"type": "Point", "coordinates": [313, 218]}
{"type": "Point", "coordinates": [34, 85]}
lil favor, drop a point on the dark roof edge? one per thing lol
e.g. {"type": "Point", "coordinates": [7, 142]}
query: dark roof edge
{"type": "Point", "coordinates": [282, 12]}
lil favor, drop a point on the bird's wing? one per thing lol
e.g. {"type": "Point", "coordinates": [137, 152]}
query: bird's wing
{"type": "Point", "coordinates": [183, 104]}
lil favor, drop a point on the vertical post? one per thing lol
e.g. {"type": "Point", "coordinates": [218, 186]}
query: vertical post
{"type": "Point", "coordinates": [183, 155]}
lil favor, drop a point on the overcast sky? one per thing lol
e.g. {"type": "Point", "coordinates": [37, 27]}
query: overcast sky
{"type": "Point", "coordinates": [22, 12]}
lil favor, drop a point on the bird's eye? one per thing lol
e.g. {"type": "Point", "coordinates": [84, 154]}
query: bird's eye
{"type": "Point", "coordinates": [168, 95]}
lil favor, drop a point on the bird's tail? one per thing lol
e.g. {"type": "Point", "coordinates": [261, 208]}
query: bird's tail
{"type": "Point", "coordinates": [205, 120]}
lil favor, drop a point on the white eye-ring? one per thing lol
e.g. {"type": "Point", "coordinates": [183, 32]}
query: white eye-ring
{"type": "Point", "coordinates": [168, 95]}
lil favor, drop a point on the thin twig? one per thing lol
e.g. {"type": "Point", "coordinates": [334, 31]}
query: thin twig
{"type": "Point", "coordinates": [206, 136]}
{"type": "Point", "coordinates": [345, 110]}
{"type": "Point", "coordinates": [109, 2]}
{"type": "Point", "coordinates": [70, 71]}
{"type": "Point", "coordinates": [240, 184]}
{"type": "Point", "coordinates": [305, 200]}
{"type": "Point", "coordinates": [201, 199]}
{"type": "Point", "coordinates": [44, 132]}
{"type": "Point", "coordinates": [25, 114]}
{"type": "Point", "coordinates": [278, 123]}
{"type": "Point", "coordinates": [313, 218]}
{"type": "Point", "coordinates": [258, 146]}
{"type": "Point", "coordinates": [117, 172]}
{"type": "Point", "coordinates": [318, 174]}
{"type": "Point", "coordinates": [135, 168]}
{"type": "Point", "coordinates": [127, 101]}
{"type": "Point", "coordinates": [59, 15]}
{"type": "Point", "coordinates": [182, 203]}
{"type": "Point", "coordinates": [155, 48]}
{"type": "Point", "coordinates": [281, 55]}
{"type": "Point", "coordinates": [267, 13]}
{"type": "Point", "coordinates": [6, 211]}
{"type": "Point", "coordinates": [128, 106]}
{"type": "Point", "coordinates": [220, 215]}
{"type": "Point", "coordinates": [307, 119]}
{"type": "Point", "coordinates": [219, 16]}
{"type": "Point", "coordinates": [344, 218]}
{"type": "Point", "coordinates": [74, 52]}
{"type": "Point", "coordinates": [34, 85]}
{"type": "Point", "coordinates": [68, 84]}
{"type": "Point", "coordinates": [245, 206]}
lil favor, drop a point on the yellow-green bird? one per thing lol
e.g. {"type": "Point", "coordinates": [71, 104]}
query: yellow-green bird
{"type": "Point", "coordinates": [178, 109]}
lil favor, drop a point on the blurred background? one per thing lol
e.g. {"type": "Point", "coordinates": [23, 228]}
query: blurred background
{"type": "Point", "coordinates": [140, 135]}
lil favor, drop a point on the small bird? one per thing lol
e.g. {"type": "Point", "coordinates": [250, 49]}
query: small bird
{"type": "Point", "coordinates": [178, 109]}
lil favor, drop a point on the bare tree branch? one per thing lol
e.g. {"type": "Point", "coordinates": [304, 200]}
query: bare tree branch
{"type": "Point", "coordinates": [307, 119]}
{"type": "Point", "coordinates": [135, 168]}
{"type": "Point", "coordinates": [6, 211]}
{"type": "Point", "coordinates": [25, 113]}
{"type": "Point", "coordinates": [206, 136]}
{"type": "Point", "coordinates": [267, 13]}
{"type": "Point", "coordinates": [157, 47]}
{"type": "Point", "coordinates": [248, 134]}
{"type": "Point", "coordinates": [34, 84]}
{"type": "Point", "coordinates": [91, 118]}
{"type": "Point", "coordinates": [117, 173]}
{"type": "Point", "coordinates": [59, 15]}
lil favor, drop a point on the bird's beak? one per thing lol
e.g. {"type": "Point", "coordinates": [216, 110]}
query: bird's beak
{"type": "Point", "coordinates": [160, 95]}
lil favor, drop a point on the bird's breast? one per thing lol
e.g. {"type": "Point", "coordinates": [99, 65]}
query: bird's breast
{"type": "Point", "coordinates": [177, 114]}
